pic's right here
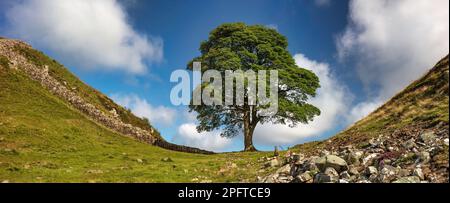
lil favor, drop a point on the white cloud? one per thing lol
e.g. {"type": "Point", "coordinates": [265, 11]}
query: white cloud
{"type": "Point", "coordinates": [188, 135]}
{"type": "Point", "coordinates": [90, 33]}
{"type": "Point", "coordinates": [332, 99]}
{"type": "Point", "coordinates": [140, 107]}
{"type": "Point", "coordinates": [190, 116]}
{"type": "Point", "coordinates": [322, 3]}
{"type": "Point", "coordinates": [363, 109]}
{"type": "Point", "coordinates": [394, 41]}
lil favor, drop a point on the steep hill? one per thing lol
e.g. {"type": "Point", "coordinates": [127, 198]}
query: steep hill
{"type": "Point", "coordinates": [60, 82]}
{"type": "Point", "coordinates": [405, 140]}
{"type": "Point", "coordinates": [55, 128]}
{"type": "Point", "coordinates": [423, 105]}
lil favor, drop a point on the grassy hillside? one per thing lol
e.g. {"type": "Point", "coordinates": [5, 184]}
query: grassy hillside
{"type": "Point", "coordinates": [91, 95]}
{"type": "Point", "coordinates": [422, 105]}
{"type": "Point", "coordinates": [44, 139]}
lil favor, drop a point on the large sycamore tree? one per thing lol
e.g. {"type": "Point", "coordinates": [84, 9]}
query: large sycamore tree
{"type": "Point", "coordinates": [237, 46]}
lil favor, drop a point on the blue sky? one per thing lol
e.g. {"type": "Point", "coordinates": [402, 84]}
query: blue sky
{"type": "Point", "coordinates": [362, 52]}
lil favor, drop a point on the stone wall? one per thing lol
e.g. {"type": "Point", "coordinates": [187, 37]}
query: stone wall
{"type": "Point", "coordinates": [40, 74]}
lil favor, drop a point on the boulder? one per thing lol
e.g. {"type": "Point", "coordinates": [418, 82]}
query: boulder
{"type": "Point", "coordinates": [332, 173]}
{"type": "Point", "coordinates": [324, 153]}
{"type": "Point", "coordinates": [273, 163]}
{"type": "Point", "coordinates": [304, 177]}
{"type": "Point", "coordinates": [427, 137]}
{"type": "Point", "coordinates": [333, 161]}
{"type": "Point", "coordinates": [371, 170]}
{"type": "Point", "coordinates": [387, 174]}
{"type": "Point", "coordinates": [369, 159]}
{"type": "Point", "coordinates": [354, 157]}
{"type": "Point", "coordinates": [324, 178]}
{"type": "Point", "coordinates": [423, 157]}
{"type": "Point", "coordinates": [402, 172]}
{"type": "Point", "coordinates": [418, 172]}
{"type": "Point", "coordinates": [271, 178]}
{"type": "Point", "coordinates": [284, 170]}
{"type": "Point", "coordinates": [343, 181]}
{"type": "Point", "coordinates": [345, 175]}
{"type": "Point", "coordinates": [311, 166]}
{"type": "Point", "coordinates": [408, 179]}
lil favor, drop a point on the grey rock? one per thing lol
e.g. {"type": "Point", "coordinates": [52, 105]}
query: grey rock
{"type": "Point", "coordinates": [423, 157]}
{"type": "Point", "coordinates": [343, 181]}
{"type": "Point", "coordinates": [332, 173]}
{"type": "Point", "coordinates": [371, 170]}
{"type": "Point", "coordinates": [311, 167]}
{"type": "Point", "coordinates": [324, 153]}
{"type": "Point", "coordinates": [272, 163]}
{"type": "Point", "coordinates": [409, 144]}
{"type": "Point", "coordinates": [408, 179]}
{"type": "Point", "coordinates": [419, 173]}
{"type": "Point", "coordinates": [387, 174]}
{"type": "Point", "coordinates": [333, 161]}
{"type": "Point", "coordinates": [345, 175]}
{"type": "Point", "coordinates": [284, 170]}
{"type": "Point", "coordinates": [304, 177]}
{"type": "Point", "coordinates": [403, 172]}
{"type": "Point", "coordinates": [354, 157]}
{"type": "Point", "coordinates": [353, 171]}
{"type": "Point", "coordinates": [373, 178]}
{"type": "Point", "coordinates": [427, 137]}
{"type": "Point", "coordinates": [272, 178]}
{"type": "Point", "coordinates": [369, 159]}
{"type": "Point", "coordinates": [324, 178]}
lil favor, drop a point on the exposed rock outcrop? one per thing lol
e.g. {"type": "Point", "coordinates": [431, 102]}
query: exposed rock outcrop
{"type": "Point", "coordinates": [420, 157]}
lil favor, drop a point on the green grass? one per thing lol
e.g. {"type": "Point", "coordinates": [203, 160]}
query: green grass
{"type": "Point", "coordinates": [4, 62]}
{"type": "Point", "coordinates": [424, 103]}
{"type": "Point", "coordinates": [43, 139]}
{"type": "Point", "coordinates": [91, 95]}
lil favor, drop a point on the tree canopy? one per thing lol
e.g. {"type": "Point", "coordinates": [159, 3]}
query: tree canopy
{"type": "Point", "coordinates": [237, 46]}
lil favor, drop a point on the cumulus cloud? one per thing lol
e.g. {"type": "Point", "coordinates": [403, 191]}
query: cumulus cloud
{"type": "Point", "coordinates": [187, 135]}
{"type": "Point", "coordinates": [140, 107]}
{"type": "Point", "coordinates": [332, 99]}
{"type": "Point", "coordinates": [90, 33]}
{"type": "Point", "coordinates": [363, 109]}
{"type": "Point", "coordinates": [393, 43]}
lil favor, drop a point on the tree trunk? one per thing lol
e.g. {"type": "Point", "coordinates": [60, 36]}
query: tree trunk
{"type": "Point", "coordinates": [248, 141]}
{"type": "Point", "coordinates": [249, 127]}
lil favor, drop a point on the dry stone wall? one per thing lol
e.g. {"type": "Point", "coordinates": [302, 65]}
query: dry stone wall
{"type": "Point", "coordinates": [40, 74]}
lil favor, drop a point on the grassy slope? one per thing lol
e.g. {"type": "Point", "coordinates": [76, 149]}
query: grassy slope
{"type": "Point", "coordinates": [423, 104]}
{"type": "Point", "coordinates": [42, 139]}
{"type": "Point", "coordinates": [102, 102]}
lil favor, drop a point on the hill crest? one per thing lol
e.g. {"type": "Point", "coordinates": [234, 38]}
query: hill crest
{"type": "Point", "coordinates": [55, 78]}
